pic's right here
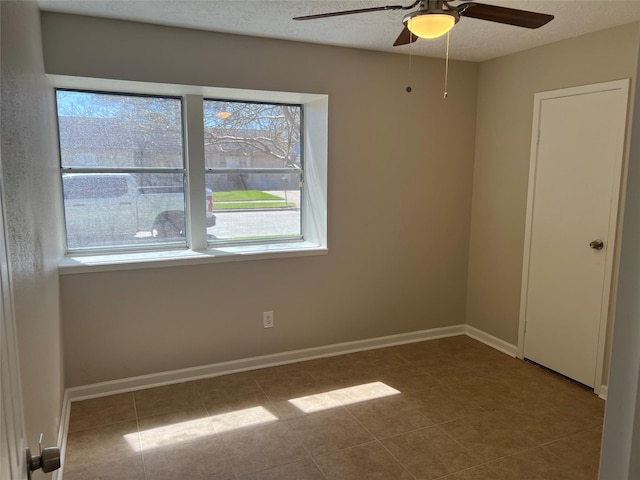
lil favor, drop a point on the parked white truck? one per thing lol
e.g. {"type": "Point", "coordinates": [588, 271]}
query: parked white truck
{"type": "Point", "coordinates": [110, 209]}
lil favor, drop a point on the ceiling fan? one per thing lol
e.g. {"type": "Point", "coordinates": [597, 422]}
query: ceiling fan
{"type": "Point", "coordinates": [434, 18]}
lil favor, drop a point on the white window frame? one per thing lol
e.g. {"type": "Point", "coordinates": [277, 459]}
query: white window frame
{"type": "Point", "coordinates": [314, 201]}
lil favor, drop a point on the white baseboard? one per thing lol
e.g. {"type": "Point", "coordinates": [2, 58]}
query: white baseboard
{"type": "Point", "coordinates": [490, 340]}
{"type": "Point", "coordinates": [252, 363]}
{"type": "Point", "coordinates": [602, 392]}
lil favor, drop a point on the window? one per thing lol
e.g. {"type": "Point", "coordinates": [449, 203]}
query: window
{"type": "Point", "coordinates": [253, 165]}
{"type": "Point", "coordinates": [123, 171]}
{"type": "Point", "coordinates": [181, 175]}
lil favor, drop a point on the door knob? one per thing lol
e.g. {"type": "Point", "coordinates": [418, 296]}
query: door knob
{"type": "Point", "coordinates": [597, 244]}
{"type": "Point", "coordinates": [48, 460]}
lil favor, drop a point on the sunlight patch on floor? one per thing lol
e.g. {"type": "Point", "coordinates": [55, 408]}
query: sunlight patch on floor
{"type": "Point", "coordinates": [343, 396]}
{"type": "Point", "coordinates": [189, 430]}
{"type": "Point", "coordinates": [249, 417]}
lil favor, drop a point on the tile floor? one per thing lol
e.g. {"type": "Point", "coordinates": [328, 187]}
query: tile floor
{"type": "Point", "coordinates": [450, 409]}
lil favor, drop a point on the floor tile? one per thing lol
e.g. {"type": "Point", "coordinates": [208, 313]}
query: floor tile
{"type": "Point", "coordinates": [250, 412]}
{"type": "Point", "coordinates": [240, 402]}
{"type": "Point", "coordinates": [449, 371]}
{"type": "Point", "coordinates": [298, 407]}
{"type": "Point", "coordinates": [408, 378]}
{"type": "Point", "coordinates": [480, 472]}
{"type": "Point", "coordinates": [340, 371]}
{"type": "Point", "coordinates": [531, 381]}
{"type": "Point", "coordinates": [379, 358]}
{"type": "Point", "coordinates": [570, 472]}
{"type": "Point", "coordinates": [486, 437]}
{"type": "Point", "coordinates": [167, 399]}
{"type": "Point", "coordinates": [388, 416]}
{"type": "Point", "coordinates": [262, 448]}
{"type": "Point", "coordinates": [429, 453]}
{"type": "Point", "coordinates": [580, 404]}
{"type": "Point", "coordinates": [363, 462]}
{"type": "Point", "coordinates": [486, 392]}
{"type": "Point", "coordinates": [534, 464]}
{"type": "Point", "coordinates": [362, 392]}
{"type": "Point", "coordinates": [451, 408]}
{"type": "Point", "coordinates": [227, 388]}
{"type": "Point", "coordinates": [101, 444]}
{"type": "Point", "coordinates": [579, 452]}
{"type": "Point", "coordinates": [202, 459]}
{"type": "Point", "coordinates": [555, 416]}
{"type": "Point", "coordinates": [172, 429]}
{"type": "Point", "coordinates": [540, 425]}
{"type": "Point", "coordinates": [325, 432]}
{"type": "Point", "coordinates": [130, 468]}
{"type": "Point", "coordinates": [439, 404]}
{"type": "Point", "coordinates": [101, 411]}
{"type": "Point", "coordinates": [285, 382]}
{"type": "Point", "coordinates": [302, 470]}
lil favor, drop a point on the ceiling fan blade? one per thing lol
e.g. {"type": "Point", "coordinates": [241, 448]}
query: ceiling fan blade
{"type": "Point", "coordinates": [405, 38]}
{"type": "Point", "coordinates": [509, 16]}
{"type": "Point", "coordinates": [349, 12]}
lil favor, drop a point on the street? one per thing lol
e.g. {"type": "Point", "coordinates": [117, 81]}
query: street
{"type": "Point", "coordinates": [252, 224]}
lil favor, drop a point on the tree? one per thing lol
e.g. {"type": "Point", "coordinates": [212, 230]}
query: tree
{"type": "Point", "coordinates": [247, 129]}
{"type": "Point", "coordinates": [131, 131]}
{"type": "Point", "coordinates": [104, 130]}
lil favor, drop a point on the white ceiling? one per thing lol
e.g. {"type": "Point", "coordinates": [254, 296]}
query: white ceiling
{"type": "Point", "coordinates": [471, 39]}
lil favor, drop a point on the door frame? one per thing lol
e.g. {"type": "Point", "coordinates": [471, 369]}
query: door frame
{"type": "Point", "coordinates": [12, 430]}
{"type": "Point", "coordinates": [611, 250]}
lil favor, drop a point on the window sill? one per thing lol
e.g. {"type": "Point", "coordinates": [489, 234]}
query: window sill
{"type": "Point", "coordinates": [73, 264]}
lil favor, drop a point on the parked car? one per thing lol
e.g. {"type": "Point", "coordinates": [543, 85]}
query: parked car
{"type": "Point", "coordinates": [110, 208]}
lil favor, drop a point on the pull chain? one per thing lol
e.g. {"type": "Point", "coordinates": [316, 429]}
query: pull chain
{"type": "Point", "coordinates": [446, 69]}
{"type": "Point", "coordinates": [410, 55]}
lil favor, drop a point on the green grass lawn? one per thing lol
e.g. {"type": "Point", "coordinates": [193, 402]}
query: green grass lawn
{"type": "Point", "coordinates": [248, 205]}
{"type": "Point", "coordinates": [243, 196]}
{"type": "Point", "coordinates": [248, 199]}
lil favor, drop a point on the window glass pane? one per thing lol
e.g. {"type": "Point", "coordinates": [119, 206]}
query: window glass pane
{"type": "Point", "coordinates": [244, 144]}
{"type": "Point", "coordinates": [122, 170]}
{"type": "Point", "coordinates": [106, 210]}
{"type": "Point", "coordinates": [119, 131]}
{"type": "Point", "coordinates": [251, 135]}
{"type": "Point", "coordinates": [255, 206]}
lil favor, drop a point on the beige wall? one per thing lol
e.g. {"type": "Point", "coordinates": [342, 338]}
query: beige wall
{"type": "Point", "coordinates": [31, 199]}
{"type": "Point", "coordinates": [400, 173]}
{"type": "Point", "coordinates": [506, 87]}
{"type": "Point", "coordinates": [399, 199]}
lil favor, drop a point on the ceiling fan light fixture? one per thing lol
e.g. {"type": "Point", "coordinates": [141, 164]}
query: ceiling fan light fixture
{"type": "Point", "coordinates": [430, 25]}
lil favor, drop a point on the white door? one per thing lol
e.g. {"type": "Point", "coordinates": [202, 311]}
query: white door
{"type": "Point", "coordinates": [12, 435]}
{"type": "Point", "coordinates": [574, 185]}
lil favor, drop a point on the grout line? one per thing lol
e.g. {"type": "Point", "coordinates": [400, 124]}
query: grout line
{"type": "Point", "coordinates": [379, 440]}
{"type": "Point", "coordinates": [311, 457]}
{"type": "Point", "coordinates": [217, 435]}
{"type": "Point", "coordinates": [135, 411]}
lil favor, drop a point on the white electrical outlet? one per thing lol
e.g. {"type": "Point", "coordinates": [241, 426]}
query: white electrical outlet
{"type": "Point", "coordinates": [267, 319]}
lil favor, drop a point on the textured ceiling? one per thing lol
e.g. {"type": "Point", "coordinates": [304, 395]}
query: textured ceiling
{"type": "Point", "coordinates": [471, 39]}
